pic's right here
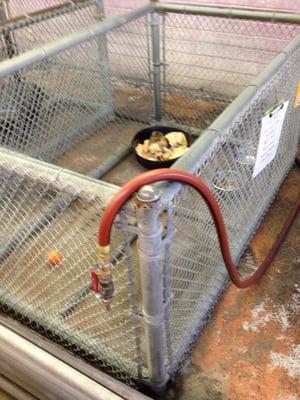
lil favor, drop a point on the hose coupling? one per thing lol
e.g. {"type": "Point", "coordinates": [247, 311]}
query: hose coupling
{"type": "Point", "coordinates": [102, 281]}
{"type": "Point", "coordinates": [104, 253]}
{"type": "Point", "coordinates": [107, 283]}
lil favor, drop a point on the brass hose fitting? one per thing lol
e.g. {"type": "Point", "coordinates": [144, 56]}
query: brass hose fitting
{"type": "Point", "coordinates": [101, 276]}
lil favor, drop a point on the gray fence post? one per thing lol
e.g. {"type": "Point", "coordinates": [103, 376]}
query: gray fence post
{"type": "Point", "coordinates": [150, 256]}
{"type": "Point", "coordinates": [156, 64]}
{"type": "Point", "coordinates": [103, 63]}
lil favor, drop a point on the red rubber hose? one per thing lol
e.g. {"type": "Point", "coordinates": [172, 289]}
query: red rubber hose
{"type": "Point", "coordinates": [181, 176]}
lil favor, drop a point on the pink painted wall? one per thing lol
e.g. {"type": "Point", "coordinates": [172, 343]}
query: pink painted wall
{"type": "Point", "coordinates": [114, 7]}
{"type": "Point", "coordinates": [117, 6]}
{"type": "Point", "coordinates": [284, 5]}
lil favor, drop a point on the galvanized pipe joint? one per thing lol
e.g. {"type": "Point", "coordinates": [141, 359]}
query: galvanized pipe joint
{"type": "Point", "coordinates": [150, 252]}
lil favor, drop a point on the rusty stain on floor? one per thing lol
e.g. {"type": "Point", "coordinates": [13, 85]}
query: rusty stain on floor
{"type": "Point", "coordinates": [251, 347]}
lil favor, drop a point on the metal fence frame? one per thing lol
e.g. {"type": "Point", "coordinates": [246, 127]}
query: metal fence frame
{"type": "Point", "coordinates": [9, 25]}
{"type": "Point", "coordinates": [202, 147]}
{"type": "Point", "coordinates": [205, 145]}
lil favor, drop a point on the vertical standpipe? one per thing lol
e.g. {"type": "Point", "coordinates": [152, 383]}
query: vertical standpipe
{"type": "Point", "coordinates": [103, 64]}
{"type": "Point", "coordinates": [150, 255]}
{"type": "Point", "coordinates": [156, 64]}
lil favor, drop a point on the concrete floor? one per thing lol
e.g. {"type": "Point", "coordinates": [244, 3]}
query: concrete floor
{"type": "Point", "coordinates": [251, 347]}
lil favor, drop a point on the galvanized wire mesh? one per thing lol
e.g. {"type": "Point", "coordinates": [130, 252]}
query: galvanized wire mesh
{"type": "Point", "coordinates": [118, 7]}
{"type": "Point", "coordinates": [49, 106]}
{"type": "Point", "coordinates": [32, 119]}
{"type": "Point", "coordinates": [105, 86]}
{"type": "Point", "coordinates": [106, 82]}
{"type": "Point", "coordinates": [46, 108]}
{"type": "Point", "coordinates": [40, 214]}
{"type": "Point", "coordinates": [207, 61]}
{"type": "Point", "coordinates": [196, 270]}
{"type": "Point", "coordinates": [20, 7]}
{"type": "Point", "coordinates": [26, 32]}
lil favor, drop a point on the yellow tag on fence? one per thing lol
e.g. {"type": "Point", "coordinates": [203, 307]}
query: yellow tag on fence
{"type": "Point", "coordinates": [297, 96]}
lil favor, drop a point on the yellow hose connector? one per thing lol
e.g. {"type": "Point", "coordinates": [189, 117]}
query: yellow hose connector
{"type": "Point", "coordinates": [104, 252]}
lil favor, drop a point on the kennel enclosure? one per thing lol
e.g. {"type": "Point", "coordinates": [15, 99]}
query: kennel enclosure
{"type": "Point", "coordinates": [213, 73]}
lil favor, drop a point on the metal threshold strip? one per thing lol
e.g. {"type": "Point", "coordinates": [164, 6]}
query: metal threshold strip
{"type": "Point", "coordinates": [45, 371]}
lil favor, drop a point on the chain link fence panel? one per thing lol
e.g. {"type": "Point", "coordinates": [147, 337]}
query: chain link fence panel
{"type": "Point", "coordinates": [207, 62]}
{"type": "Point", "coordinates": [196, 273]}
{"type": "Point", "coordinates": [49, 106]}
{"type": "Point", "coordinates": [28, 31]}
{"type": "Point", "coordinates": [104, 86]}
{"type": "Point", "coordinates": [16, 8]}
{"type": "Point", "coordinates": [43, 210]}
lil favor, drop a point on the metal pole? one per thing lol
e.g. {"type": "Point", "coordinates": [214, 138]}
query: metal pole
{"type": "Point", "coordinates": [106, 166]}
{"type": "Point", "coordinates": [240, 13]}
{"type": "Point", "coordinates": [164, 56]}
{"type": "Point", "coordinates": [21, 21]}
{"type": "Point", "coordinates": [8, 37]}
{"type": "Point", "coordinates": [14, 390]}
{"type": "Point", "coordinates": [150, 255]}
{"type": "Point", "coordinates": [149, 57]}
{"type": "Point", "coordinates": [56, 208]}
{"type": "Point", "coordinates": [50, 49]}
{"type": "Point", "coordinates": [106, 92]}
{"type": "Point", "coordinates": [48, 372]}
{"type": "Point", "coordinates": [59, 178]}
{"type": "Point", "coordinates": [55, 324]}
{"type": "Point", "coordinates": [94, 373]}
{"type": "Point", "coordinates": [155, 19]}
{"type": "Point", "coordinates": [204, 145]}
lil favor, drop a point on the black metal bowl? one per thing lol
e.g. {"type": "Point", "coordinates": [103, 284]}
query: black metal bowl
{"type": "Point", "coordinates": [144, 134]}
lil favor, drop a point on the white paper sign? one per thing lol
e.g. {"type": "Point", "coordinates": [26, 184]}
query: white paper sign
{"type": "Point", "coordinates": [271, 126]}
